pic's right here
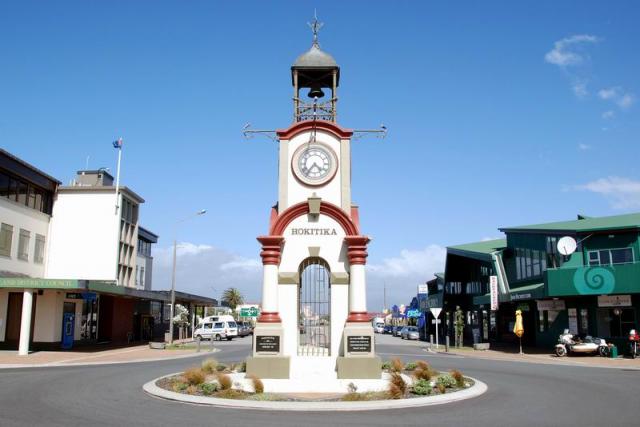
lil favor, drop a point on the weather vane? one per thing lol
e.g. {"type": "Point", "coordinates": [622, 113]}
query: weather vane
{"type": "Point", "coordinates": [315, 27]}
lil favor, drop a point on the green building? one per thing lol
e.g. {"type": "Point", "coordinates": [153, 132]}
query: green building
{"type": "Point", "coordinates": [593, 290]}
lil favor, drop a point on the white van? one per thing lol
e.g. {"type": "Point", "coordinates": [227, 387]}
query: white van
{"type": "Point", "coordinates": [217, 330]}
{"type": "Point", "coordinates": [230, 325]}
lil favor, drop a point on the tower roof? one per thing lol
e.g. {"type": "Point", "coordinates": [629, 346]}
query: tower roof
{"type": "Point", "coordinates": [315, 58]}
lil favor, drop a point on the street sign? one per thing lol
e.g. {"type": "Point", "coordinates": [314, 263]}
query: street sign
{"type": "Point", "coordinates": [493, 288]}
{"type": "Point", "coordinates": [249, 312]}
{"type": "Point", "coordinates": [436, 313]}
{"type": "Point", "coordinates": [423, 288]}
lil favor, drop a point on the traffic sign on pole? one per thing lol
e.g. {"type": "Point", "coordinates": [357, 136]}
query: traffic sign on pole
{"type": "Point", "coordinates": [436, 313]}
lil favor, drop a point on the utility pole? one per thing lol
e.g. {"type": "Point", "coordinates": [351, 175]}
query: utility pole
{"type": "Point", "coordinates": [384, 303]}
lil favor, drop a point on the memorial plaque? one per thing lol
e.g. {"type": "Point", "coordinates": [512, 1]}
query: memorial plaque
{"type": "Point", "coordinates": [359, 344]}
{"type": "Point", "coordinates": [267, 344]}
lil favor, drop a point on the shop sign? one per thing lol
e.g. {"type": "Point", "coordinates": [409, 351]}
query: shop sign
{"type": "Point", "coordinates": [614, 301]}
{"type": "Point", "coordinates": [551, 305]}
{"type": "Point", "coordinates": [517, 297]}
{"type": "Point", "coordinates": [73, 295]}
{"type": "Point", "coordinates": [423, 289]}
{"type": "Point", "coordinates": [493, 287]}
{"type": "Point", "coordinates": [413, 313]}
{"type": "Point", "coordinates": [20, 282]}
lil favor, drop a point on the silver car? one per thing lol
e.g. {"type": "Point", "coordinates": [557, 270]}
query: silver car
{"type": "Point", "coordinates": [410, 333]}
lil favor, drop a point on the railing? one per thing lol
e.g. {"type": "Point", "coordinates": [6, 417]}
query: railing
{"type": "Point", "coordinates": [593, 280]}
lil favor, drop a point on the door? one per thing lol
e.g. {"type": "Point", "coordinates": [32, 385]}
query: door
{"type": "Point", "coordinates": [314, 313]}
{"type": "Point", "coordinates": [14, 317]}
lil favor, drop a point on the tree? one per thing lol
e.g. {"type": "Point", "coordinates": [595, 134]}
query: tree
{"type": "Point", "coordinates": [233, 298]}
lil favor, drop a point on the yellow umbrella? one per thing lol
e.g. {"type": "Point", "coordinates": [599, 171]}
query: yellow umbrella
{"type": "Point", "coordinates": [518, 328]}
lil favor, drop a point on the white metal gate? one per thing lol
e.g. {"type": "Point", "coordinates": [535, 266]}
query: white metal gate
{"type": "Point", "coordinates": [314, 313]}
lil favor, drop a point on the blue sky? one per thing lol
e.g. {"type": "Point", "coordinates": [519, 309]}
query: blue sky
{"type": "Point", "coordinates": [499, 113]}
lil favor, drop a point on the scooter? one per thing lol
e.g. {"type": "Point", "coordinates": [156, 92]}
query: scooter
{"type": "Point", "coordinates": [569, 343]}
{"type": "Point", "coordinates": [634, 343]}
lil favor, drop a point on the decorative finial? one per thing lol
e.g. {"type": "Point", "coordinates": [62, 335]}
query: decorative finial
{"type": "Point", "coordinates": [315, 28]}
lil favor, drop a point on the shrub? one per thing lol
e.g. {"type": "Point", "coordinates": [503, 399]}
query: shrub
{"type": "Point", "coordinates": [209, 366]}
{"type": "Point", "coordinates": [258, 386]}
{"type": "Point", "coordinates": [398, 382]}
{"type": "Point", "coordinates": [221, 367]}
{"type": "Point", "coordinates": [224, 381]}
{"type": "Point", "coordinates": [441, 388]}
{"type": "Point", "coordinates": [396, 365]}
{"type": "Point", "coordinates": [208, 388]}
{"type": "Point", "coordinates": [231, 393]}
{"type": "Point", "coordinates": [242, 367]}
{"type": "Point", "coordinates": [457, 375]}
{"type": "Point", "coordinates": [386, 366]}
{"type": "Point", "coordinates": [446, 380]}
{"type": "Point", "coordinates": [179, 386]}
{"type": "Point", "coordinates": [395, 392]}
{"type": "Point", "coordinates": [194, 376]}
{"type": "Point", "coordinates": [410, 366]}
{"type": "Point", "coordinates": [423, 371]}
{"type": "Point", "coordinates": [422, 387]}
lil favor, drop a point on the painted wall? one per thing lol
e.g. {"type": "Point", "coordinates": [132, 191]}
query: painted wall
{"type": "Point", "coordinates": [83, 237]}
{"type": "Point", "coordinates": [35, 222]}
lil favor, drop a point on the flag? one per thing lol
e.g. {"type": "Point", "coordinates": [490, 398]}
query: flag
{"type": "Point", "coordinates": [117, 143]}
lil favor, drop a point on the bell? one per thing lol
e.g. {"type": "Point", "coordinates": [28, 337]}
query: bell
{"type": "Point", "coordinates": [316, 92]}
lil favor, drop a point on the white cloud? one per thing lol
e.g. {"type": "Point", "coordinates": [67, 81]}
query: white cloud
{"type": "Point", "coordinates": [584, 147]}
{"type": "Point", "coordinates": [608, 115]}
{"type": "Point", "coordinates": [242, 264]}
{"type": "Point", "coordinates": [622, 193]}
{"type": "Point", "coordinates": [580, 88]}
{"type": "Point", "coordinates": [186, 248]}
{"type": "Point", "coordinates": [570, 50]}
{"type": "Point", "coordinates": [624, 100]}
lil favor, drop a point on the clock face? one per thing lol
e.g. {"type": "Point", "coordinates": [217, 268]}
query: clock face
{"type": "Point", "coordinates": [314, 164]}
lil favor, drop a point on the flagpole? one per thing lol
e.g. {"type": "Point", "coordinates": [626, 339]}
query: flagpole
{"type": "Point", "coordinates": [118, 145]}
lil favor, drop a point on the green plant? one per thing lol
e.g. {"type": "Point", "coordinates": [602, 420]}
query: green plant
{"type": "Point", "coordinates": [410, 366]}
{"type": "Point", "coordinates": [232, 297]}
{"type": "Point", "coordinates": [447, 380]}
{"type": "Point", "coordinates": [179, 386]}
{"type": "Point", "coordinates": [422, 387]}
{"type": "Point", "coordinates": [242, 367]}
{"type": "Point", "coordinates": [209, 366]}
{"type": "Point", "coordinates": [457, 375]}
{"type": "Point", "coordinates": [396, 365]}
{"type": "Point", "coordinates": [225, 381]}
{"type": "Point", "coordinates": [221, 367]}
{"type": "Point", "coordinates": [258, 386]}
{"type": "Point", "coordinates": [194, 376]}
{"type": "Point", "coordinates": [208, 388]}
{"type": "Point", "coordinates": [386, 366]}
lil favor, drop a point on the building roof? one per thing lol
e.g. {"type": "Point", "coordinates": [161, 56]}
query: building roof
{"type": "Point", "coordinates": [147, 235]}
{"type": "Point", "coordinates": [315, 58]}
{"type": "Point", "coordinates": [99, 188]}
{"type": "Point", "coordinates": [483, 247]}
{"type": "Point", "coordinates": [27, 171]}
{"type": "Point", "coordinates": [584, 224]}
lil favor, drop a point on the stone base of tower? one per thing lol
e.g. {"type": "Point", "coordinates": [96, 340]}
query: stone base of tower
{"type": "Point", "coordinates": [268, 360]}
{"type": "Point", "coordinates": [359, 360]}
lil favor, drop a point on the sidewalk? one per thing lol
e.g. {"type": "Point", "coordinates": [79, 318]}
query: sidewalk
{"type": "Point", "coordinates": [536, 355]}
{"type": "Point", "coordinates": [93, 355]}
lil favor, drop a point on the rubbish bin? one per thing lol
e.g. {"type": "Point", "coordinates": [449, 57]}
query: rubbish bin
{"type": "Point", "coordinates": [613, 352]}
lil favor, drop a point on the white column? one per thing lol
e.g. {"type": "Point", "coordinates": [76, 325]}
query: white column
{"type": "Point", "coordinates": [25, 323]}
{"type": "Point", "coordinates": [270, 288]}
{"type": "Point", "coordinates": [357, 290]}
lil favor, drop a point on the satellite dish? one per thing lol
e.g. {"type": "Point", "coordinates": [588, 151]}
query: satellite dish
{"type": "Point", "coordinates": [567, 245]}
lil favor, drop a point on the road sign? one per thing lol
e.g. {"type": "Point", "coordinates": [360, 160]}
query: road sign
{"type": "Point", "coordinates": [249, 312]}
{"type": "Point", "coordinates": [436, 313]}
{"type": "Point", "coordinates": [423, 289]}
{"type": "Point", "coordinates": [493, 288]}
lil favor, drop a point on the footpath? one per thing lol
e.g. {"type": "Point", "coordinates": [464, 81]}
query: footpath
{"type": "Point", "coordinates": [98, 355]}
{"type": "Point", "coordinates": [533, 355]}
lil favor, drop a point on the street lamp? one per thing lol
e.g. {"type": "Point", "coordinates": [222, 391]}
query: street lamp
{"type": "Point", "coordinates": [173, 274]}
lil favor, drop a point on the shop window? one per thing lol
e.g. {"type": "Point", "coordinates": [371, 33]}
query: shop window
{"type": "Point", "coordinates": [6, 238]}
{"type": "Point", "coordinates": [546, 318]}
{"type": "Point", "coordinates": [617, 322]}
{"type": "Point", "coordinates": [23, 245]}
{"type": "Point", "coordinates": [584, 321]}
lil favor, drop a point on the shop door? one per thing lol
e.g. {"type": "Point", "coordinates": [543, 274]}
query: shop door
{"type": "Point", "coordinates": [14, 317]}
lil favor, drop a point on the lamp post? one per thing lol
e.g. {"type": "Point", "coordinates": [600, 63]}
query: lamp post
{"type": "Point", "coordinates": [173, 273]}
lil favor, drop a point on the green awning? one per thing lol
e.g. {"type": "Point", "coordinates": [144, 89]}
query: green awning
{"type": "Point", "coordinates": [29, 283]}
{"type": "Point", "coordinates": [534, 291]}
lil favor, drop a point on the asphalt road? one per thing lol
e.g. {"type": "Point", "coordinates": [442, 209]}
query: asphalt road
{"type": "Point", "coordinates": [520, 394]}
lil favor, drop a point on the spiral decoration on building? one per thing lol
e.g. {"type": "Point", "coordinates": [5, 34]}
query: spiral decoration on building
{"type": "Point", "coordinates": [594, 280]}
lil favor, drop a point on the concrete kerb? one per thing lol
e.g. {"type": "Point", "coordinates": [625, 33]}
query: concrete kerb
{"type": "Point", "coordinates": [475, 390]}
{"type": "Point", "coordinates": [119, 362]}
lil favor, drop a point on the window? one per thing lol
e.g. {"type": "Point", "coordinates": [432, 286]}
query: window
{"type": "Point", "coordinates": [6, 238]}
{"type": "Point", "coordinates": [611, 256]}
{"type": "Point", "coordinates": [530, 263]}
{"type": "Point", "coordinates": [142, 277]}
{"type": "Point", "coordinates": [218, 325]}
{"type": "Point", "coordinates": [207, 326]}
{"type": "Point", "coordinates": [23, 245]}
{"type": "Point", "coordinates": [38, 254]}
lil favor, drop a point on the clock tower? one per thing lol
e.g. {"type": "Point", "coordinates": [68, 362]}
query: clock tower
{"type": "Point", "coordinates": [313, 317]}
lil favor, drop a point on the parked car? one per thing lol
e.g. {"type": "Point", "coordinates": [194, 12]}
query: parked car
{"type": "Point", "coordinates": [388, 329]}
{"type": "Point", "coordinates": [396, 331]}
{"type": "Point", "coordinates": [378, 328]}
{"type": "Point", "coordinates": [410, 333]}
{"type": "Point", "coordinates": [244, 329]}
{"type": "Point", "coordinates": [210, 331]}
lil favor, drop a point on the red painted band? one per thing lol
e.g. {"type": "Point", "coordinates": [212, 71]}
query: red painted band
{"type": "Point", "coordinates": [269, 317]}
{"type": "Point", "coordinates": [306, 125]}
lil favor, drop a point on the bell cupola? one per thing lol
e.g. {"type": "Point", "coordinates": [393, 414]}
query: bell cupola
{"type": "Point", "coordinates": [315, 70]}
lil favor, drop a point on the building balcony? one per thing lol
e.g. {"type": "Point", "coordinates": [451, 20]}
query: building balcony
{"type": "Point", "coordinates": [593, 280]}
